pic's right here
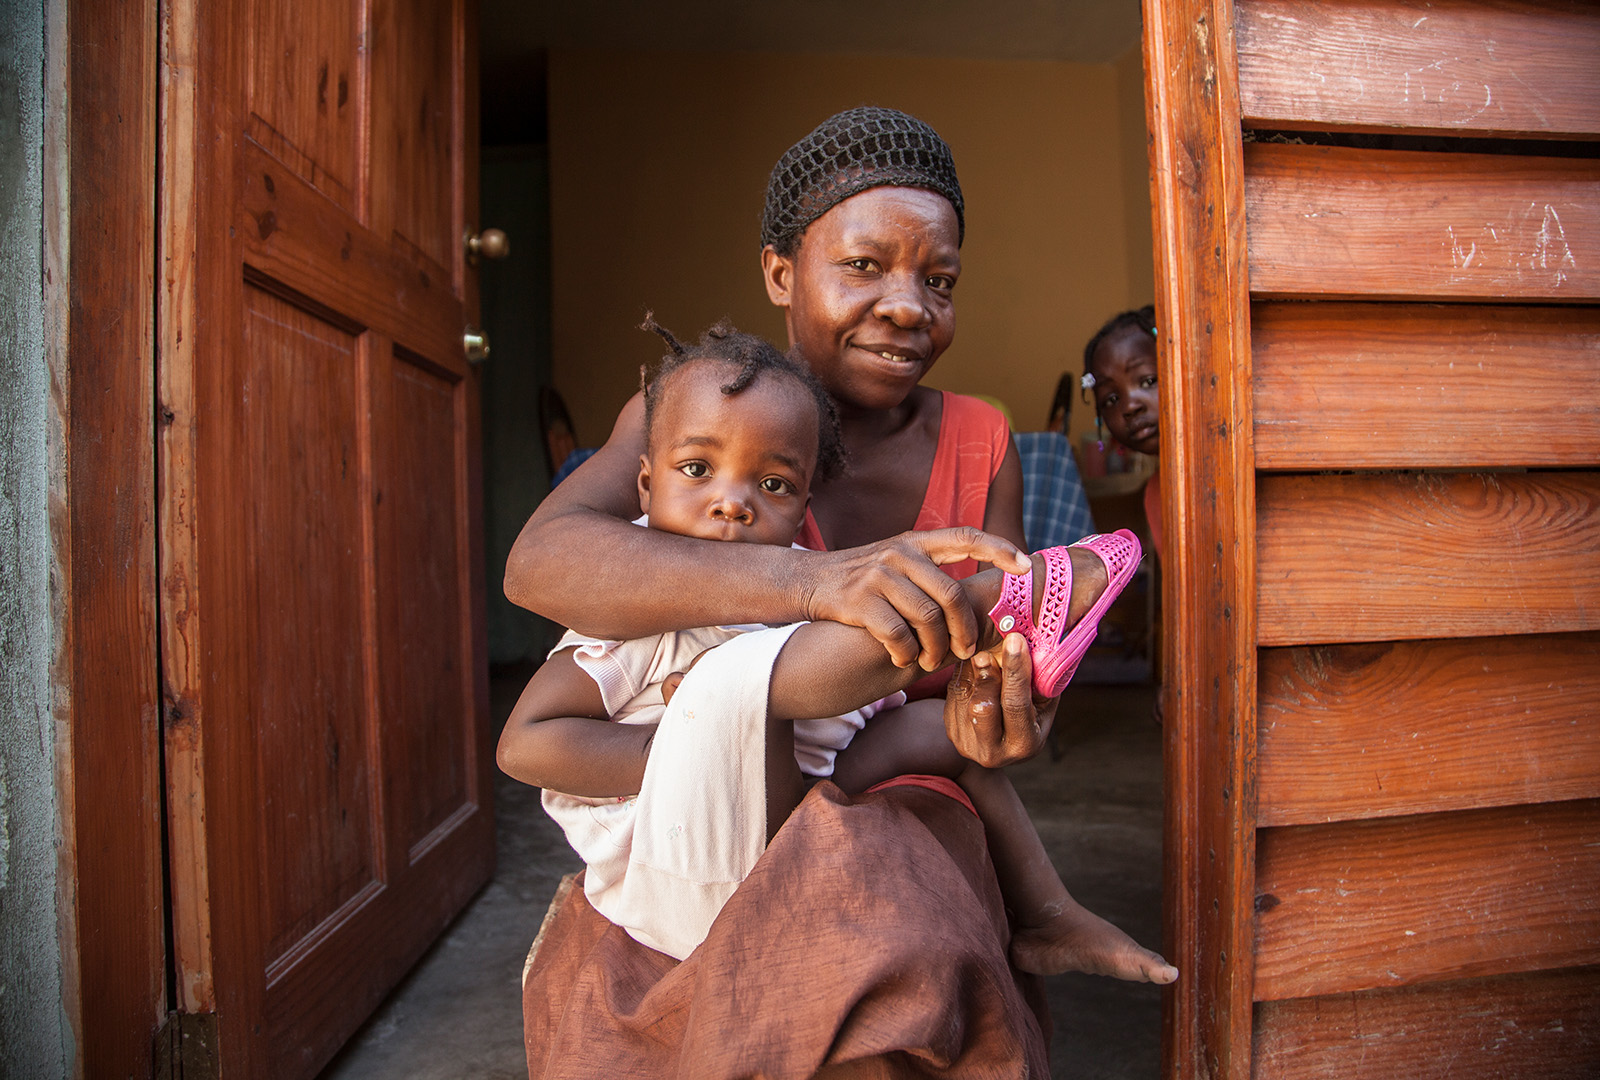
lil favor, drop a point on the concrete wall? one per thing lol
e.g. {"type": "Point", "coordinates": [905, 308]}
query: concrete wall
{"type": "Point", "coordinates": [658, 166]}
{"type": "Point", "coordinates": [34, 1035]}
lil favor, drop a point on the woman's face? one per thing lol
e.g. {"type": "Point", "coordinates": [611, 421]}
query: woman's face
{"type": "Point", "coordinates": [867, 296]}
{"type": "Point", "coordinates": [1125, 388]}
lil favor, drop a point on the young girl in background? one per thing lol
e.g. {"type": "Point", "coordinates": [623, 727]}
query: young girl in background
{"type": "Point", "coordinates": [1119, 369]}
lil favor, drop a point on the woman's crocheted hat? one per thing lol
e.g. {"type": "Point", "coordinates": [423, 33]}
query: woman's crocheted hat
{"type": "Point", "coordinates": [848, 153]}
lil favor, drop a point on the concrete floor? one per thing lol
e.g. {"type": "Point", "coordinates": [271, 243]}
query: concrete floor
{"type": "Point", "coordinates": [1098, 808]}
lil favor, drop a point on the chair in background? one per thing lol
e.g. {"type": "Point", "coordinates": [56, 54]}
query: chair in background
{"type": "Point", "coordinates": [1055, 507]}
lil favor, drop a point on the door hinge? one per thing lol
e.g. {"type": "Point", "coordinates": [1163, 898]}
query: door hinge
{"type": "Point", "coordinates": [186, 1047]}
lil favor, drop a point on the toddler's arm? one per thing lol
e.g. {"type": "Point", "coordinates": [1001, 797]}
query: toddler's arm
{"type": "Point", "coordinates": [580, 562]}
{"type": "Point", "coordinates": [828, 669]}
{"type": "Point", "coordinates": [559, 736]}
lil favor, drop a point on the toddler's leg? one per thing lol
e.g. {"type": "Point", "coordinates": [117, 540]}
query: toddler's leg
{"type": "Point", "coordinates": [1054, 932]}
{"type": "Point", "coordinates": [827, 669]}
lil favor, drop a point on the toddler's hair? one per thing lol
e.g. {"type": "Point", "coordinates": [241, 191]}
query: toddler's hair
{"type": "Point", "coordinates": [753, 355]}
{"type": "Point", "coordinates": [1144, 318]}
{"type": "Point", "coordinates": [850, 152]}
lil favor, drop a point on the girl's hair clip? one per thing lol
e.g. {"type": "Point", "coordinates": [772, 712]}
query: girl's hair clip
{"type": "Point", "coordinates": [1086, 381]}
{"type": "Point", "coordinates": [1153, 332]}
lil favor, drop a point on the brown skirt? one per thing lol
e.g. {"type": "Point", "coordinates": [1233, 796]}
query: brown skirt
{"type": "Point", "coordinates": [870, 941]}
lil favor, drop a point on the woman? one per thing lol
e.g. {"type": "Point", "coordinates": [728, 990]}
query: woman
{"type": "Point", "coordinates": [861, 249]}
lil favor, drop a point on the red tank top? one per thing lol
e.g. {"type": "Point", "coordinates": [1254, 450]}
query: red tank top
{"type": "Point", "coordinates": [973, 440]}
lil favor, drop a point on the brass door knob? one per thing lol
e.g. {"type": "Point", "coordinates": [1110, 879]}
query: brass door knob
{"type": "Point", "coordinates": [489, 244]}
{"type": "Point", "coordinates": [475, 344]}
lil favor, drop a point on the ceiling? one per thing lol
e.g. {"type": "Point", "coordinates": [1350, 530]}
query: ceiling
{"type": "Point", "coordinates": [1082, 31]}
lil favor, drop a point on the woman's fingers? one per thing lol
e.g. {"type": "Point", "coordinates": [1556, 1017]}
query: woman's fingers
{"type": "Point", "coordinates": [972, 710]}
{"type": "Point", "coordinates": [1020, 715]}
{"type": "Point", "coordinates": [895, 590]}
{"type": "Point", "coordinates": [991, 715]}
{"type": "Point", "coordinates": [953, 545]}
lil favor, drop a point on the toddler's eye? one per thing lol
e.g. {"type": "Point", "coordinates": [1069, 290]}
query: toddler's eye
{"type": "Point", "coordinates": [776, 485]}
{"type": "Point", "coordinates": [1106, 402]}
{"type": "Point", "coordinates": [695, 469]}
{"type": "Point", "coordinates": [1148, 381]}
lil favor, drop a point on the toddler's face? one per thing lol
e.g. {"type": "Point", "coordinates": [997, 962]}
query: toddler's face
{"type": "Point", "coordinates": [1125, 389]}
{"type": "Point", "coordinates": [730, 466]}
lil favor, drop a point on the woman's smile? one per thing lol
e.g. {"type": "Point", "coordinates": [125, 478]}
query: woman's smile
{"type": "Point", "coordinates": [868, 294]}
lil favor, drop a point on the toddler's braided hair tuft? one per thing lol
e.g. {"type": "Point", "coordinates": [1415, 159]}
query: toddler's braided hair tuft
{"type": "Point", "coordinates": [848, 153]}
{"type": "Point", "coordinates": [753, 356]}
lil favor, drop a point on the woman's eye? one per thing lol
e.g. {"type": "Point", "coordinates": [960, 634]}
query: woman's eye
{"type": "Point", "coordinates": [776, 485]}
{"type": "Point", "coordinates": [864, 265]}
{"type": "Point", "coordinates": [695, 469]}
{"type": "Point", "coordinates": [942, 282]}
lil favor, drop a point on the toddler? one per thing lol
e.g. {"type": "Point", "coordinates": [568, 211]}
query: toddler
{"type": "Point", "coordinates": [718, 721]}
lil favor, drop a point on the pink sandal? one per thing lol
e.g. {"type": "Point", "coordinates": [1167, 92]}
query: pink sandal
{"type": "Point", "coordinates": [1056, 655]}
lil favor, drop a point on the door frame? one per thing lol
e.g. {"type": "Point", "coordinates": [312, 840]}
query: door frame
{"type": "Point", "coordinates": [100, 231]}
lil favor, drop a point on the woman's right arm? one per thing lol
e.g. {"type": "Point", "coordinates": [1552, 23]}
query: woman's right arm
{"type": "Point", "coordinates": [580, 562]}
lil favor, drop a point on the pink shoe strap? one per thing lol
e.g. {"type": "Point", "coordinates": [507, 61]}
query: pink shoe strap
{"type": "Point", "coordinates": [1013, 612]}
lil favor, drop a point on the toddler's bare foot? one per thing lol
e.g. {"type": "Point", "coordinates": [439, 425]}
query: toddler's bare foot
{"type": "Point", "coordinates": [1076, 939]}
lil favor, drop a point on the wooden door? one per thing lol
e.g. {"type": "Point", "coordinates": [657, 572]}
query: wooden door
{"type": "Point", "coordinates": [1378, 227]}
{"type": "Point", "coordinates": [321, 575]}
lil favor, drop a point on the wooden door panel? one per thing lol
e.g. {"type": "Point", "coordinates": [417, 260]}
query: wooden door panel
{"type": "Point", "coordinates": [1478, 387]}
{"type": "Point", "coordinates": [1542, 1026]}
{"type": "Point", "coordinates": [414, 99]}
{"type": "Point", "coordinates": [1372, 730]}
{"type": "Point", "coordinates": [1364, 904]}
{"type": "Point", "coordinates": [335, 265]}
{"type": "Point", "coordinates": [1386, 557]}
{"type": "Point", "coordinates": [1467, 67]}
{"type": "Point", "coordinates": [303, 96]}
{"type": "Point", "coordinates": [303, 521]}
{"type": "Point", "coordinates": [431, 740]}
{"type": "Point", "coordinates": [328, 791]}
{"type": "Point", "coordinates": [1332, 222]}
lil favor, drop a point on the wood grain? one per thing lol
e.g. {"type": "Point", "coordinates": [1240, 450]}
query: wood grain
{"type": "Point", "coordinates": [1387, 557]}
{"type": "Point", "coordinates": [1333, 222]}
{"type": "Point", "coordinates": [304, 101]}
{"type": "Point", "coordinates": [1460, 387]}
{"type": "Point", "coordinates": [105, 693]}
{"type": "Point", "coordinates": [1543, 1026]}
{"type": "Point", "coordinates": [297, 236]}
{"type": "Point", "coordinates": [1466, 67]}
{"type": "Point", "coordinates": [305, 892]}
{"type": "Point", "coordinates": [1197, 197]}
{"type": "Point", "coordinates": [1366, 904]}
{"type": "Point", "coordinates": [1356, 731]}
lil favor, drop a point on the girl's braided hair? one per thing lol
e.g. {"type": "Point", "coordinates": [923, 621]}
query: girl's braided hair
{"type": "Point", "coordinates": [1144, 319]}
{"type": "Point", "coordinates": [754, 356]}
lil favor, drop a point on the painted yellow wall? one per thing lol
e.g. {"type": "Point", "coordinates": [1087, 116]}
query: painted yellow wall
{"type": "Point", "coordinates": [658, 168]}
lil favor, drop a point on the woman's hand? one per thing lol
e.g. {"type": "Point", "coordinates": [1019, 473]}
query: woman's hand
{"type": "Point", "coordinates": [991, 714]}
{"type": "Point", "coordinates": [895, 590]}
